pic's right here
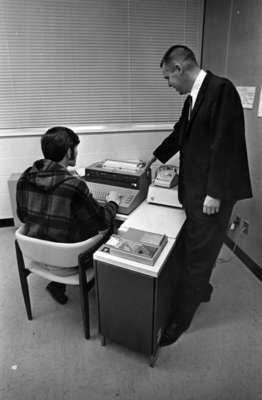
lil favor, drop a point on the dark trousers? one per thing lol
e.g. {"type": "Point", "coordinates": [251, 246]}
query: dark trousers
{"type": "Point", "coordinates": [198, 244]}
{"type": "Point", "coordinates": [60, 287]}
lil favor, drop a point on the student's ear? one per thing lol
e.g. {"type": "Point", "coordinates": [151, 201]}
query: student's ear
{"type": "Point", "coordinates": [70, 154]}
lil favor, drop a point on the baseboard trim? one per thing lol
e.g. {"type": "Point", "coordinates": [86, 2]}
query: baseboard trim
{"type": "Point", "coordinates": [249, 263]}
{"type": "Point", "coordinates": [6, 222]}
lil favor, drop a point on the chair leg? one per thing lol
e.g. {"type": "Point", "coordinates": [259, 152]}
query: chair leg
{"type": "Point", "coordinates": [84, 293]}
{"type": "Point", "coordinates": [84, 301]}
{"type": "Point", "coordinates": [23, 272]}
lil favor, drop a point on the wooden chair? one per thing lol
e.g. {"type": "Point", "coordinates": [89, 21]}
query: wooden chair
{"type": "Point", "coordinates": [32, 254]}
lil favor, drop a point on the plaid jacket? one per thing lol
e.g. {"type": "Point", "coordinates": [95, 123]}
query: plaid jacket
{"type": "Point", "coordinates": [57, 206]}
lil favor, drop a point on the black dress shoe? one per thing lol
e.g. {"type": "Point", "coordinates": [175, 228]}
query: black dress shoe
{"type": "Point", "coordinates": [172, 334]}
{"type": "Point", "coordinates": [57, 294]}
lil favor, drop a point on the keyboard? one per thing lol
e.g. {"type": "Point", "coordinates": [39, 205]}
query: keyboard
{"type": "Point", "coordinates": [100, 195]}
{"type": "Point", "coordinates": [128, 201]}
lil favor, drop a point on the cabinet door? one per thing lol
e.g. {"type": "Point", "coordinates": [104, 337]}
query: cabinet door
{"type": "Point", "coordinates": [125, 306]}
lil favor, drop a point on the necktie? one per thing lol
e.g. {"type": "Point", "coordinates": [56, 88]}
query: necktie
{"type": "Point", "coordinates": [189, 106]}
{"type": "Point", "coordinates": [186, 117]}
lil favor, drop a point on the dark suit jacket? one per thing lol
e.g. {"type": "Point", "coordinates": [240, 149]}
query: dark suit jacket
{"type": "Point", "coordinates": [213, 154]}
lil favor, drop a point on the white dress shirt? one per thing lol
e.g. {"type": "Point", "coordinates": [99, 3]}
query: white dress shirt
{"type": "Point", "coordinates": [197, 85]}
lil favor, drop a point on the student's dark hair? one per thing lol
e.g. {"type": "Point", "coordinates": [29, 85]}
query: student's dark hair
{"type": "Point", "coordinates": [56, 142]}
{"type": "Point", "coordinates": [178, 53]}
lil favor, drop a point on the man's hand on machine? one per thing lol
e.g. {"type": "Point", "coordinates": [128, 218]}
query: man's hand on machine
{"type": "Point", "coordinates": [114, 196]}
{"type": "Point", "coordinates": [150, 162]}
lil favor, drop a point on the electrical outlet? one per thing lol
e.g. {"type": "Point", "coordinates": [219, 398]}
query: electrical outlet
{"type": "Point", "coordinates": [245, 227]}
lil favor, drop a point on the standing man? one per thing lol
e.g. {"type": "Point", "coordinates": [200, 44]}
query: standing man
{"type": "Point", "coordinates": [56, 205]}
{"type": "Point", "coordinates": [214, 174]}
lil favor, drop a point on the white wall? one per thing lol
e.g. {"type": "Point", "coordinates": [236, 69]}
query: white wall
{"type": "Point", "coordinates": [237, 54]}
{"type": "Point", "coordinates": [17, 153]}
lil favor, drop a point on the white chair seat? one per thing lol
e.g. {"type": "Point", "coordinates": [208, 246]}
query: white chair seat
{"type": "Point", "coordinates": [42, 270]}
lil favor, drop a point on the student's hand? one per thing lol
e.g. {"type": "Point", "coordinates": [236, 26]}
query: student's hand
{"type": "Point", "coordinates": [150, 162]}
{"type": "Point", "coordinates": [211, 205]}
{"type": "Point", "coordinates": [114, 196]}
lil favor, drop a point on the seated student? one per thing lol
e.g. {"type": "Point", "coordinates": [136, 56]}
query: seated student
{"type": "Point", "coordinates": [56, 205]}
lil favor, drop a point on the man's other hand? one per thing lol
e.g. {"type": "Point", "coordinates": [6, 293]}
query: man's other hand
{"type": "Point", "coordinates": [211, 205]}
{"type": "Point", "coordinates": [113, 196]}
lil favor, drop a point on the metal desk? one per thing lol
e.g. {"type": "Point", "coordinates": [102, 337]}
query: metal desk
{"type": "Point", "coordinates": [135, 301]}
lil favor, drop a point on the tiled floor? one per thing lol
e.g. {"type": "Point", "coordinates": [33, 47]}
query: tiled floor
{"type": "Point", "coordinates": [219, 358]}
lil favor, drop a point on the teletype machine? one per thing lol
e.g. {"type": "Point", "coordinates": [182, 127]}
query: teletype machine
{"type": "Point", "coordinates": [129, 178]}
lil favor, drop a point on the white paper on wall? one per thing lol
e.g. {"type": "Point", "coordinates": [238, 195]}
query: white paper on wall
{"type": "Point", "coordinates": [259, 111]}
{"type": "Point", "coordinates": [247, 95]}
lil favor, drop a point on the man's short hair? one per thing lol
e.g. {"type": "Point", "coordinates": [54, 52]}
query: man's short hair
{"type": "Point", "coordinates": [178, 53]}
{"type": "Point", "coordinates": [56, 142]}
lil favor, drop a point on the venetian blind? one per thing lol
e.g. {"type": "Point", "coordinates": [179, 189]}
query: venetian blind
{"type": "Point", "coordinates": [91, 61]}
